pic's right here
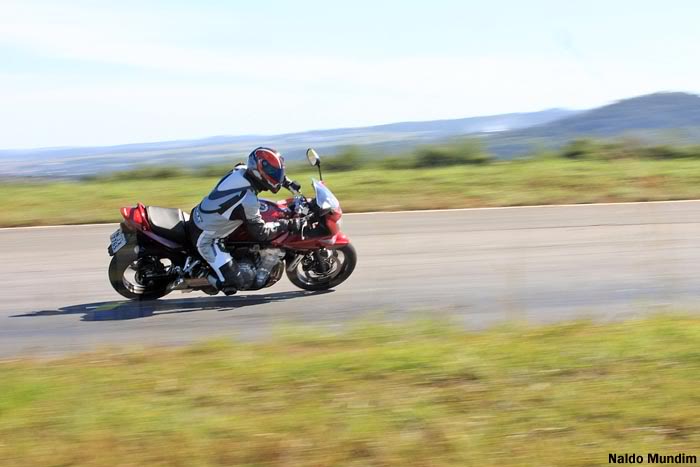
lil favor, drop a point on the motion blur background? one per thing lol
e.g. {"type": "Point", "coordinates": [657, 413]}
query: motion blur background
{"type": "Point", "coordinates": [458, 340]}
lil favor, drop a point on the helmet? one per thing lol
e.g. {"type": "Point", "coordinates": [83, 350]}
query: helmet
{"type": "Point", "coordinates": [266, 168]}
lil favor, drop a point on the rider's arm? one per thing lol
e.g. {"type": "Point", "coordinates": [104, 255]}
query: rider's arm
{"type": "Point", "coordinates": [257, 227]}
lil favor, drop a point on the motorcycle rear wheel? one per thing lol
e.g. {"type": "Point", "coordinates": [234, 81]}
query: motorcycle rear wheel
{"type": "Point", "coordinates": [124, 274]}
{"type": "Point", "coordinates": [342, 263]}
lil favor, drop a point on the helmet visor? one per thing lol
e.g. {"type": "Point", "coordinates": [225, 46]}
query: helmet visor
{"type": "Point", "coordinates": [273, 174]}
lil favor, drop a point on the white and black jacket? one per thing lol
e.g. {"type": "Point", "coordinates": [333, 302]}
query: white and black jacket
{"type": "Point", "coordinates": [232, 203]}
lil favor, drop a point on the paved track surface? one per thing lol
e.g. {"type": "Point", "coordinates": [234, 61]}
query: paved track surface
{"type": "Point", "coordinates": [480, 266]}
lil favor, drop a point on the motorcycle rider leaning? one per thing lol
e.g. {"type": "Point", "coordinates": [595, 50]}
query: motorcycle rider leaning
{"type": "Point", "coordinates": [233, 203]}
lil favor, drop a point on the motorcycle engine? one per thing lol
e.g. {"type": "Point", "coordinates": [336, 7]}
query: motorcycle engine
{"type": "Point", "coordinates": [258, 268]}
{"type": "Point", "coordinates": [269, 268]}
{"type": "Point", "coordinates": [245, 276]}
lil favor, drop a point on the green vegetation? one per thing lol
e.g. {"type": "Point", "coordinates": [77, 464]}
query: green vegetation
{"type": "Point", "coordinates": [421, 394]}
{"type": "Point", "coordinates": [616, 149]}
{"type": "Point", "coordinates": [349, 159]}
{"type": "Point", "coordinates": [450, 176]}
{"type": "Point", "coordinates": [462, 152]}
{"type": "Point", "coordinates": [144, 173]}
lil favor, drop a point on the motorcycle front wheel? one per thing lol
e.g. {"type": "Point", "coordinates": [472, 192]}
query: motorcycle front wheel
{"type": "Point", "coordinates": [129, 277]}
{"type": "Point", "coordinates": [322, 270]}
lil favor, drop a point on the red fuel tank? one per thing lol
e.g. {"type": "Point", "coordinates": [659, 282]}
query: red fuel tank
{"type": "Point", "coordinates": [272, 211]}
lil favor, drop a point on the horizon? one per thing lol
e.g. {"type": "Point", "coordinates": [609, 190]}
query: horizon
{"type": "Point", "coordinates": [74, 76]}
{"type": "Point", "coordinates": [312, 130]}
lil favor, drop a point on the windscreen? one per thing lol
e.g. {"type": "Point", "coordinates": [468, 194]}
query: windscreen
{"type": "Point", "coordinates": [325, 199]}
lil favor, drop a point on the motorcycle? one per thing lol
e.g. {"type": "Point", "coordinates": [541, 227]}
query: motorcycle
{"type": "Point", "coordinates": [152, 254]}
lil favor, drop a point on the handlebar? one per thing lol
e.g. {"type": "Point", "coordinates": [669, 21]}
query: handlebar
{"type": "Point", "coordinates": [291, 185]}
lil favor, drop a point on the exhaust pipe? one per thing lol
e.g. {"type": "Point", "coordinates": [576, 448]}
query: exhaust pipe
{"type": "Point", "coordinates": [188, 284]}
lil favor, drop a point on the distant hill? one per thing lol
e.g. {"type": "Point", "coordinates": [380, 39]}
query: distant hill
{"type": "Point", "coordinates": [670, 117]}
{"type": "Point", "coordinates": [661, 117]}
{"type": "Point", "coordinates": [389, 138]}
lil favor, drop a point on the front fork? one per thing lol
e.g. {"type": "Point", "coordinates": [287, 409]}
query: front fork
{"type": "Point", "coordinates": [319, 260]}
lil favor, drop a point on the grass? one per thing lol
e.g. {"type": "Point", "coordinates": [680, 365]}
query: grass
{"type": "Point", "coordinates": [517, 183]}
{"type": "Point", "coordinates": [419, 394]}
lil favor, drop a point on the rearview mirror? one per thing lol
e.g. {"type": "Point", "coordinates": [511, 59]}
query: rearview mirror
{"type": "Point", "coordinates": [312, 157]}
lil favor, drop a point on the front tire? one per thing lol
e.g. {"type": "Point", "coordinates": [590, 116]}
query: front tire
{"type": "Point", "coordinates": [124, 275]}
{"type": "Point", "coordinates": [342, 263]}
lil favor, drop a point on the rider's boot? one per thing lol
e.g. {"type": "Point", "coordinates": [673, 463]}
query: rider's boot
{"type": "Point", "coordinates": [218, 286]}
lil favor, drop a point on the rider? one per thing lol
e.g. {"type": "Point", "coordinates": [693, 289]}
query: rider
{"type": "Point", "coordinates": [234, 202]}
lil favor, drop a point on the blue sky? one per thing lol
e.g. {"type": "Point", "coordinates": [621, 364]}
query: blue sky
{"type": "Point", "coordinates": [95, 73]}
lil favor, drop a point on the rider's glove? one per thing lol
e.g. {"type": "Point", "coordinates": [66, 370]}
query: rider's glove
{"type": "Point", "coordinates": [291, 184]}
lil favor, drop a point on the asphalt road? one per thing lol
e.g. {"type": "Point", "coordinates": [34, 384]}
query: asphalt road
{"type": "Point", "coordinates": [479, 266]}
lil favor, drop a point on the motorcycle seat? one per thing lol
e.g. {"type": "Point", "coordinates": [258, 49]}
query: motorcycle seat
{"type": "Point", "coordinates": [170, 223]}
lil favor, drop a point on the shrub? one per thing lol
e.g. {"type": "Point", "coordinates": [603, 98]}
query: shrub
{"type": "Point", "coordinates": [349, 158]}
{"type": "Point", "coordinates": [580, 149]}
{"type": "Point", "coordinates": [624, 149]}
{"type": "Point", "coordinates": [671, 152]}
{"type": "Point", "coordinates": [459, 153]}
{"type": "Point", "coordinates": [143, 173]}
{"type": "Point", "coordinates": [398, 162]}
{"type": "Point", "coordinates": [215, 170]}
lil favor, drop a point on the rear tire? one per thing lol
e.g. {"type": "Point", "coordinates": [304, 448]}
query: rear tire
{"type": "Point", "coordinates": [307, 280]}
{"type": "Point", "coordinates": [121, 266]}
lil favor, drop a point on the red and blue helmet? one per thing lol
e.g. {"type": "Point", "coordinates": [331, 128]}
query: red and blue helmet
{"type": "Point", "coordinates": [266, 166]}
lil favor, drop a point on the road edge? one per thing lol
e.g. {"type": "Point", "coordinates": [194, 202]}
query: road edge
{"type": "Point", "coordinates": [417, 211]}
